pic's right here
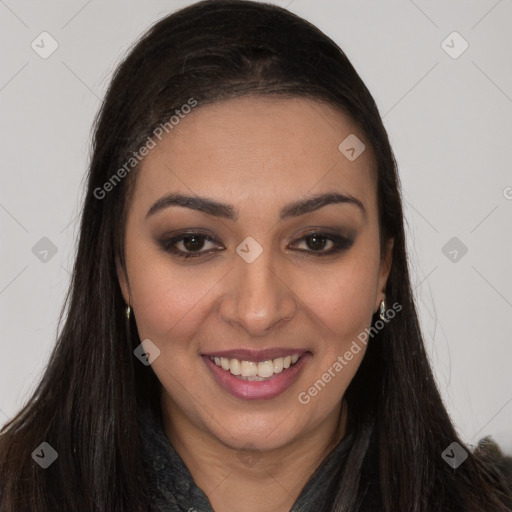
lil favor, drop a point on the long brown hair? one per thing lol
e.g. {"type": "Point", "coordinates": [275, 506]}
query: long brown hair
{"type": "Point", "coordinates": [93, 391]}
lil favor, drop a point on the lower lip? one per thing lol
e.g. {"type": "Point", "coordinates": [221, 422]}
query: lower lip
{"type": "Point", "coordinates": [257, 390]}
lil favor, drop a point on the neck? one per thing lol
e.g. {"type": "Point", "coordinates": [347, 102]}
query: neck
{"type": "Point", "coordinates": [260, 480]}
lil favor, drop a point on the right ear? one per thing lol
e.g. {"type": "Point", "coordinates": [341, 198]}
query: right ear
{"type": "Point", "coordinates": [123, 281]}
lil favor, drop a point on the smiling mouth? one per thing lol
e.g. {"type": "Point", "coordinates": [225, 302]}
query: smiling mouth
{"type": "Point", "coordinates": [255, 370]}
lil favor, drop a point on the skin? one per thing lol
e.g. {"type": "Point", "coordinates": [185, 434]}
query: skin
{"type": "Point", "coordinates": [258, 155]}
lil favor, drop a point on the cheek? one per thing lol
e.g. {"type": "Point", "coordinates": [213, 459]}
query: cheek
{"type": "Point", "coordinates": [165, 297]}
{"type": "Point", "coordinates": [342, 301]}
{"type": "Point", "coordinates": [342, 298]}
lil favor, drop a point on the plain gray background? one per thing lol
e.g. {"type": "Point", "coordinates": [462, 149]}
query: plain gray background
{"type": "Point", "coordinates": [448, 117]}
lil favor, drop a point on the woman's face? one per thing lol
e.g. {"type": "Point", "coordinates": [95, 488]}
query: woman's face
{"type": "Point", "coordinates": [259, 287]}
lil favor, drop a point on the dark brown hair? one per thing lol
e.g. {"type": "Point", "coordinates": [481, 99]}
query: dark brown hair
{"type": "Point", "coordinates": [89, 401]}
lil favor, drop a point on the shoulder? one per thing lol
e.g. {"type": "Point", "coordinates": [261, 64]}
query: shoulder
{"type": "Point", "coordinates": [489, 452]}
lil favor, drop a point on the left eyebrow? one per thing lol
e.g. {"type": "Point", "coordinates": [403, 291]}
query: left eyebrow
{"type": "Point", "coordinates": [212, 207]}
{"type": "Point", "coordinates": [316, 202]}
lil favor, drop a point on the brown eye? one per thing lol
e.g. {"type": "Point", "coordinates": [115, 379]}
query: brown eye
{"type": "Point", "coordinates": [189, 245]}
{"type": "Point", "coordinates": [193, 243]}
{"type": "Point", "coordinates": [316, 244]}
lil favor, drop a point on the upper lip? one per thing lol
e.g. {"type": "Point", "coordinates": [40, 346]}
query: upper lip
{"type": "Point", "coordinates": [257, 355]}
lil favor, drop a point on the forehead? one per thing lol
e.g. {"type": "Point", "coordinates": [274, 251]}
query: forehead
{"type": "Point", "coordinates": [259, 148]}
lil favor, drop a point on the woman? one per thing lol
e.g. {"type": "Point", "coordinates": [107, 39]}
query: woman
{"type": "Point", "coordinates": [241, 332]}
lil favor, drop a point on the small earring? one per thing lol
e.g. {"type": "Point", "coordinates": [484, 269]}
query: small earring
{"type": "Point", "coordinates": [382, 315]}
{"type": "Point", "coordinates": [128, 311]}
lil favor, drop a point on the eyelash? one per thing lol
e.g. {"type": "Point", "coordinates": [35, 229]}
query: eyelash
{"type": "Point", "coordinates": [340, 243]}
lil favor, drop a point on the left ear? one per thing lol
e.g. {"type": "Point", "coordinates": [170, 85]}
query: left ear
{"type": "Point", "coordinates": [385, 267]}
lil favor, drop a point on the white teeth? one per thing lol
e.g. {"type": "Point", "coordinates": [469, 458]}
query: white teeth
{"type": "Point", "coordinates": [234, 367]}
{"type": "Point", "coordinates": [251, 370]}
{"type": "Point", "coordinates": [265, 369]}
{"type": "Point", "coordinates": [278, 365]}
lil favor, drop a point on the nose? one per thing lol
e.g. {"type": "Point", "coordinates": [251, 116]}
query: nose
{"type": "Point", "coordinates": [258, 298]}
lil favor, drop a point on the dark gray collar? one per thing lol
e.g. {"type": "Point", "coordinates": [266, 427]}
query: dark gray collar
{"type": "Point", "coordinates": [173, 489]}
